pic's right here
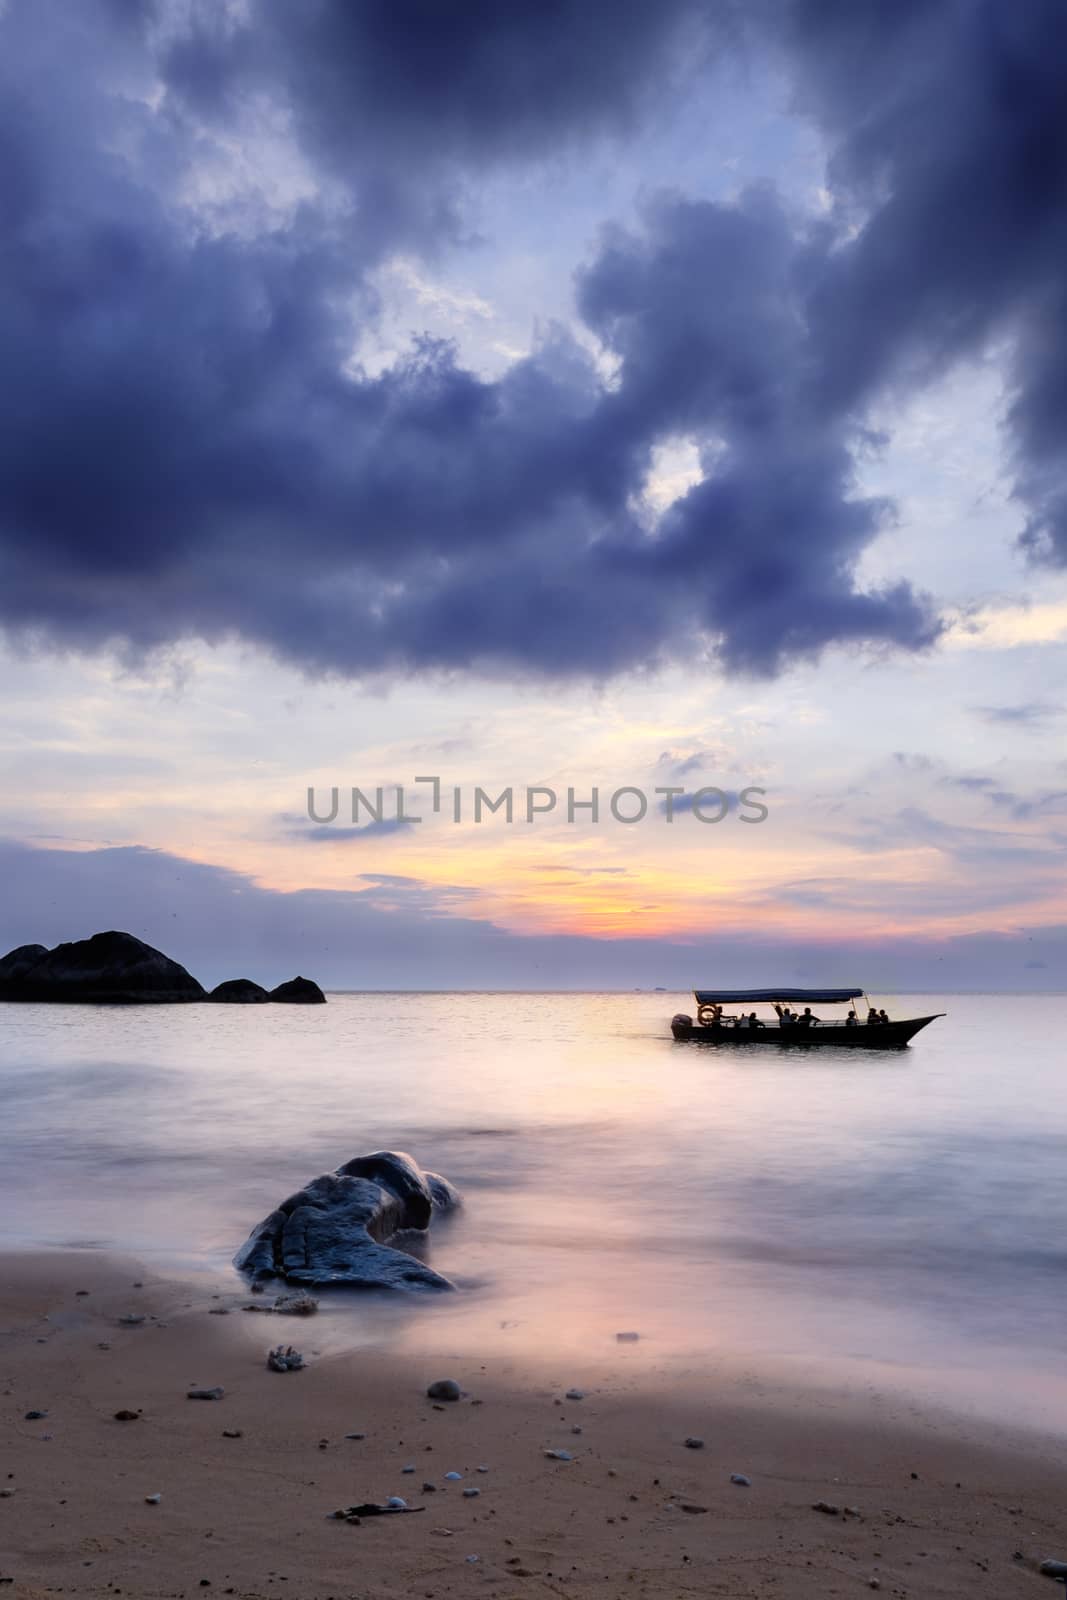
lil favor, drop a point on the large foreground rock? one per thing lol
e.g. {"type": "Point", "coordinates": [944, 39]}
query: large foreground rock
{"type": "Point", "coordinates": [338, 1227]}
{"type": "Point", "coordinates": [112, 968]}
{"type": "Point", "coordinates": [299, 992]}
{"type": "Point", "coordinates": [239, 992]}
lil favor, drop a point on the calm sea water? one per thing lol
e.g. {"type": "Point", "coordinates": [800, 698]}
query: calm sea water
{"type": "Point", "coordinates": [867, 1219]}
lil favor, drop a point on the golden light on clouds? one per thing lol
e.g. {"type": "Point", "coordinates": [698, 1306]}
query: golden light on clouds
{"type": "Point", "coordinates": [1006, 627]}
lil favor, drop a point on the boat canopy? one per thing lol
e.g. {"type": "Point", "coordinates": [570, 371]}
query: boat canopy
{"type": "Point", "coordinates": [810, 997]}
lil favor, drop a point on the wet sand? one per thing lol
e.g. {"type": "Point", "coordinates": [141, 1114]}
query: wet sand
{"type": "Point", "coordinates": [942, 1507]}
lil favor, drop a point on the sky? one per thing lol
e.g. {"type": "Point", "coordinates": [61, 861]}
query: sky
{"type": "Point", "coordinates": [539, 397]}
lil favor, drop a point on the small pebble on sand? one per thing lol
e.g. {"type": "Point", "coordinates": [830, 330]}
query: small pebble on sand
{"type": "Point", "coordinates": [471, 1494]}
{"type": "Point", "coordinates": [559, 1455]}
{"type": "Point", "coordinates": [152, 1499]}
{"type": "Point", "coordinates": [575, 1394]}
{"type": "Point", "coordinates": [283, 1358]}
{"type": "Point", "coordinates": [627, 1338]}
{"type": "Point", "coordinates": [298, 1304]}
{"type": "Point", "coordinates": [741, 1480]}
{"type": "Point", "coordinates": [206, 1394]}
{"type": "Point", "coordinates": [453, 1477]}
{"type": "Point", "coordinates": [444, 1389]}
{"type": "Point", "coordinates": [694, 1442]}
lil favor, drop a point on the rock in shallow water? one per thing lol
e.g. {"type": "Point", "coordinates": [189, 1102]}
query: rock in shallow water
{"type": "Point", "coordinates": [239, 992]}
{"type": "Point", "coordinates": [20, 961]}
{"type": "Point", "coordinates": [110, 968]}
{"type": "Point", "coordinates": [299, 992]}
{"type": "Point", "coordinates": [336, 1229]}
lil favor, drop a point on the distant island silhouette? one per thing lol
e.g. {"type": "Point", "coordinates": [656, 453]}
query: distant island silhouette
{"type": "Point", "coordinates": [117, 969]}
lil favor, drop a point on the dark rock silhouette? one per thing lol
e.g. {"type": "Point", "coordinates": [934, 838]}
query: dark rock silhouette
{"type": "Point", "coordinates": [17, 963]}
{"type": "Point", "coordinates": [113, 968]}
{"type": "Point", "coordinates": [239, 992]}
{"type": "Point", "coordinates": [338, 1227]}
{"type": "Point", "coordinates": [299, 992]}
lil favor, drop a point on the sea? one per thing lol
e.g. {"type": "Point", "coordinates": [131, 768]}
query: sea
{"type": "Point", "coordinates": [891, 1223]}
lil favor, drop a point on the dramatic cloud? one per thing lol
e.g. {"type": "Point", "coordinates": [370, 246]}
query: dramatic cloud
{"type": "Point", "coordinates": [398, 96]}
{"type": "Point", "coordinates": [946, 125]}
{"type": "Point", "coordinates": [190, 448]}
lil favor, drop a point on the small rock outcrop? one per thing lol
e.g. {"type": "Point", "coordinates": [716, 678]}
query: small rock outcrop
{"type": "Point", "coordinates": [17, 963]}
{"type": "Point", "coordinates": [239, 992]}
{"type": "Point", "coordinates": [110, 968]}
{"type": "Point", "coordinates": [338, 1228]}
{"type": "Point", "coordinates": [299, 992]}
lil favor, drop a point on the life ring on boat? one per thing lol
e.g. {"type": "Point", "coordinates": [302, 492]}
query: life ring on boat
{"type": "Point", "coordinates": [708, 1016]}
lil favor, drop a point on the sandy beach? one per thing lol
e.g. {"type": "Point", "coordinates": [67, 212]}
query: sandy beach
{"type": "Point", "coordinates": [247, 1483]}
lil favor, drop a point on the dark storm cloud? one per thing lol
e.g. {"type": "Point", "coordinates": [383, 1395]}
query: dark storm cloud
{"type": "Point", "coordinates": [947, 130]}
{"type": "Point", "coordinates": [476, 83]}
{"type": "Point", "coordinates": [187, 450]}
{"type": "Point", "coordinates": [706, 312]}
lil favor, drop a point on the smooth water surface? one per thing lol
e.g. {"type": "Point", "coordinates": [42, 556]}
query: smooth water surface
{"type": "Point", "coordinates": [894, 1217]}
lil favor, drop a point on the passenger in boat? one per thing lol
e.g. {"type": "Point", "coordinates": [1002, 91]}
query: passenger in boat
{"type": "Point", "coordinates": [883, 1016]}
{"type": "Point", "coordinates": [786, 1019]}
{"type": "Point", "coordinates": [742, 1021]}
{"type": "Point", "coordinates": [872, 1017]}
{"type": "Point", "coordinates": [806, 1020]}
{"type": "Point", "coordinates": [754, 1021]}
{"type": "Point", "coordinates": [852, 1021]}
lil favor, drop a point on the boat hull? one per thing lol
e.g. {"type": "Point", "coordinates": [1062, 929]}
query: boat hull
{"type": "Point", "coordinates": [873, 1036]}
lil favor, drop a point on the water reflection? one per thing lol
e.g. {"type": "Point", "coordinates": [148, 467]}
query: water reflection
{"type": "Point", "coordinates": [835, 1207]}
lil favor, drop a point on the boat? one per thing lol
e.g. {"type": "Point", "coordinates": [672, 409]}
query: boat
{"type": "Point", "coordinates": [712, 1027]}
